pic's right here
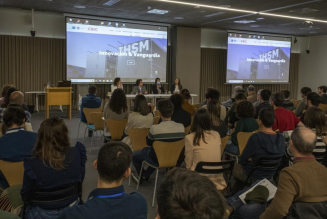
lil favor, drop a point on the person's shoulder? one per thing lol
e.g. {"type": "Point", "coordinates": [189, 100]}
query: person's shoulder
{"type": "Point", "coordinates": [138, 197]}
{"type": "Point", "coordinates": [78, 211]}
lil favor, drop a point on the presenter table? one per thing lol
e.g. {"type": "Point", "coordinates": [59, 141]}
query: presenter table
{"type": "Point", "coordinates": [58, 96]}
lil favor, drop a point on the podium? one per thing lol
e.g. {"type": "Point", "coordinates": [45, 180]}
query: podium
{"type": "Point", "coordinates": [58, 96]}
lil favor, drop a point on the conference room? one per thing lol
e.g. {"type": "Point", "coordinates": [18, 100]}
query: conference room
{"type": "Point", "coordinates": [163, 109]}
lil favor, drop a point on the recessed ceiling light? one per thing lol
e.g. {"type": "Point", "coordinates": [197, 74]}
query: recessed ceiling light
{"type": "Point", "coordinates": [244, 21]}
{"type": "Point", "coordinates": [260, 18]}
{"type": "Point", "coordinates": [214, 14]}
{"type": "Point", "coordinates": [179, 18]}
{"type": "Point", "coordinates": [254, 26]}
{"type": "Point", "coordinates": [158, 11]}
{"type": "Point", "coordinates": [111, 2]}
{"type": "Point", "coordinates": [79, 6]}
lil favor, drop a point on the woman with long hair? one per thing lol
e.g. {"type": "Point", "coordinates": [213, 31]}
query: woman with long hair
{"type": "Point", "coordinates": [177, 86]}
{"type": "Point", "coordinates": [203, 145]}
{"type": "Point", "coordinates": [217, 124]}
{"type": "Point", "coordinates": [186, 105]}
{"type": "Point", "coordinates": [55, 163]}
{"type": "Point", "coordinates": [157, 87]}
{"type": "Point", "coordinates": [117, 84]}
{"type": "Point", "coordinates": [116, 108]}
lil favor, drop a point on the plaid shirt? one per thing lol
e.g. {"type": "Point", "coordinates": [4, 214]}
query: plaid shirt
{"type": "Point", "coordinates": [3, 110]}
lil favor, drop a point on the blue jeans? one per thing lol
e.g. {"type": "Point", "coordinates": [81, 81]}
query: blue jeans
{"type": "Point", "coordinates": [232, 148]}
{"type": "Point", "coordinates": [36, 212]}
{"type": "Point", "coordinates": [139, 157]}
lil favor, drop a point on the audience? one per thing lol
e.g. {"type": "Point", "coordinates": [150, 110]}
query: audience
{"type": "Point", "coordinates": [167, 131]}
{"type": "Point", "coordinates": [264, 102]}
{"type": "Point", "coordinates": [141, 118]}
{"type": "Point", "coordinates": [299, 109]}
{"type": "Point", "coordinates": [185, 194]}
{"type": "Point", "coordinates": [54, 164]}
{"type": "Point", "coordinates": [252, 97]}
{"type": "Point", "coordinates": [217, 124]}
{"type": "Point", "coordinates": [4, 92]}
{"type": "Point", "coordinates": [117, 84]}
{"type": "Point", "coordinates": [322, 92]}
{"type": "Point", "coordinates": [213, 94]}
{"type": "Point", "coordinates": [89, 101]}
{"type": "Point", "coordinates": [176, 87]}
{"type": "Point", "coordinates": [231, 115]}
{"type": "Point", "coordinates": [312, 99]}
{"type": "Point", "coordinates": [205, 102]}
{"type": "Point", "coordinates": [157, 88]}
{"type": "Point", "coordinates": [301, 183]}
{"type": "Point", "coordinates": [287, 104]}
{"type": "Point", "coordinates": [109, 199]}
{"type": "Point", "coordinates": [186, 105]}
{"type": "Point", "coordinates": [139, 88]}
{"type": "Point", "coordinates": [228, 104]}
{"type": "Point", "coordinates": [115, 109]}
{"type": "Point", "coordinates": [285, 119]}
{"type": "Point", "coordinates": [7, 100]}
{"type": "Point", "coordinates": [257, 103]}
{"type": "Point", "coordinates": [204, 145]}
{"type": "Point", "coordinates": [244, 111]}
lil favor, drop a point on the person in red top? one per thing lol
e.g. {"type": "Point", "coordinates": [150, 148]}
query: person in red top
{"type": "Point", "coordinates": [285, 120]}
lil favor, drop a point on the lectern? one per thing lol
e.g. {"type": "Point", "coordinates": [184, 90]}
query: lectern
{"type": "Point", "coordinates": [58, 96]}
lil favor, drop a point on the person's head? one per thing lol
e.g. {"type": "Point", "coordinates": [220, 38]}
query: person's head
{"type": "Point", "coordinates": [16, 97]}
{"type": "Point", "coordinates": [251, 89]}
{"type": "Point", "coordinates": [244, 109]}
{"type": "Point", "coordinates": [185, 194]}
{"type": "Point", "coordinates": [5, 88]}
{"type": "Point", "coordinates": [277, 99]}
{"type": "Point", "coordinates": [315, 119]}
{"type": "Point", "coordinates": [141, 105]}
{"type": "Point", "coordinates": [312, 99]}
{"type": "Point", "coordinates": [166, 108]}
{"type": "Point", "coordinates": [213, 94]}
{"type": "Point", "coordinates": [139, 82]}
{"type": "Point", "coordinates": [7, 97]}
{"type": "Point", "coordinates": [118, 102]}
{"type": "Point", "coordinates": [92, 89]}
{"type": "Point", "coordinates": [303, 142]}
{"type": "Point", "coordinates": [265, 95]}
{"type": "Point", "coordinates": [239, 97]}
{"type": "Point", "coordinates": [322, 89]}
{"type": "Point", "coordinates": [201, 124]}
{"type": "Point", "coordinates": [259, 95]}
{"type": "Point", "coordinates": [266, 117]}
{"type": "Point", "coordinates": [177, 81]}
{"type": "Point", "coordinates": [286, 93]}
{"type": "Point", "coordinates": [117, 81]}
{"type": "Point", "coordinates": [157, 81]}
{"type": "Point", "coordinates": [177, 100]}
{"type": "Point", "coordinates": [113, 162]}
{"type": "Point", "coordinates": [52, 142]}
{"type": "Point", "coordinates": [237, 90]}
{"type": "Point", "coordinates": [213, 108]}
{"type": "Point", "coordinates": [186, 94]}
{"type": "Point", "coordinates": [14, 117]}
{"type": "Point", "coordinates": [304, 91]}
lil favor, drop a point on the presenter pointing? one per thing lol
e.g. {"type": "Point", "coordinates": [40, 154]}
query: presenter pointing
{"type": "Point", "coordinates": [139, 88]}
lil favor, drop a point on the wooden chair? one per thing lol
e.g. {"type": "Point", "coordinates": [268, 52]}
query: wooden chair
{"type": "Point", "coordinates": [296, 102]}
{"type": "Point", "coordinates": [13, 172]}
{"type": "Point", "coordinates": [87, 112]}
{"type": "Point", "coordinates": [157, 113]}
{"type": "Point", "coordinates": [187, 130]}
{"type": "Point", "coordinates": [116, 129]}
{"type": "Point", "coordinates": [138, 140]}
{"type": "Point", "coordinates": [156, 120]}
{"type": "Point", "coordinates": [323, 107]}
{"type": "Point", "coordinates": [167, 154]}
{"type": "Point", "coordinates": [224, 141]}
{"type": "Point", "coordinates": [152, 108]}
{"type": "Point", "coordinates": [242, 139]}
{"type": "Point", "coordinates": [97, 124]}
{"type": "Point", "coordinates": [197, 106]}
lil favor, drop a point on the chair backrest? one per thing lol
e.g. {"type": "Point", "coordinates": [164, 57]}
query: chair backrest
{"type": "Point", "coordinates": [242, 139]}
{"type": "Point", "coordinates": [13, 172]}
{"type": "Point", "coordinates": [224, 141]}
{"type": "Point", "coordinates": [197, 106]}
{"type": "Point", "coordinates": [267, 163]}
{"type": "Point", "coordinates": [187, 130]}
{"type": "Point", "coordinates": [116, 128]}
{"type": "Point", "coordinates": [157, 113]}
{"type": "Point", "coordinates": [152, 108]}
{"type": "Point", "coordinates": [319, 153]}
{"type": "Point", "coordinates": [323, 107]}
{"type": "Point", "coordinates": [295, 102]}
{"type": "Point", "coordinates": [88, 111]}
{"type": "Point", "coordinates": [156, 120]}
{"type": "Point", "coordinates": [221, 167]}
{"type": "Point", "coordinates": [138, 138]}
{"type": "Point", "coordinates": [97, 121]}
{"type": "Point", "coordinates": [168, 152]}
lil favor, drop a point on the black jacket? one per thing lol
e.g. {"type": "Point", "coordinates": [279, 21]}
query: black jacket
{"type": "Point", "coordinates": [155, 90]}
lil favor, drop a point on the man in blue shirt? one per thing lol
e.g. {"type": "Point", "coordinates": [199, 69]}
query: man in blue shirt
{"type": "Point", "coordinates": [109, 200]}
{"type": "Point", "coordinates": [90, 101]}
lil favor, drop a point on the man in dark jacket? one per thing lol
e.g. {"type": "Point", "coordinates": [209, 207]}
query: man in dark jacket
{"type": "Point", "coordinates": [264, 99]}
{"type": "Point", "coordinates": [322, 92]}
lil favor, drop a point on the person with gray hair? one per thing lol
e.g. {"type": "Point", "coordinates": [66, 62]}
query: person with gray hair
{"type": "Point", "coordinates": [257, 103]}
{"type": "Point", "coordinates": [301, 183]}
{"type": "Point", "coordinates": [251, 94]}
{"type": "Point", "coordinates": [229, 103]}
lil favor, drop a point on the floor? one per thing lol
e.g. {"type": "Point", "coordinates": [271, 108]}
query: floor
{"type": "Point", "coordinates": [90, 181]}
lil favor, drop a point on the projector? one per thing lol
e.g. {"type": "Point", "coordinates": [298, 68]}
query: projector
{"type": "Point", "coordinates": [33, 33]}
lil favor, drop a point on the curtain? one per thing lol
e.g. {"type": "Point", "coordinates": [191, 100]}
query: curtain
{"type": "Point", "coordinates": [213, 74]}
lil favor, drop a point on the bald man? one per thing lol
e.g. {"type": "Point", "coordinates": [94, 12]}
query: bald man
{"type": "Point", "coordinates": [303, 182]}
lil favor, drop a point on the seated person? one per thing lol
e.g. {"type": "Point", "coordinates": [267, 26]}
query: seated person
{"type": "Point", "coordinates": [231, 115]}
{"type": "Point", "coordinates": [301, 182]}
{"type": "Point", "coordinates": [322, 92]}
{"type": "Point", "coordinates": [217, 124]}
{"type": "Point", "coordinates": [257, 103]}
{"type": "Point", "coordinates": [287, 104]}
{"type": "Point", "coordinates": [4, 92]}
{"type": "Point", "coordinates": [55, 163]}
{"type": "Point", "coordinates": [179, 114]}
{"type": "Point", "coordinates": [117, 84]}
{"type": "Point", "coordinates": [213, 94]}
{"type": "Point", "coordinates": [185, 194]}
{"type": "Point", "coordinates": [7, 100]}
{"type": "Point", "coordinates": [299, 109]}
{"type": "Point", "coordinates": [244, 111]}
{"type": "Point", "coordinates": [176, 87]}
{"type": "Point", "coordinates": [109, 199]}
{"type": "Point", "coordinates": [157, 88]}
{"type": "Point", "coordinates": [285, 119]}
{"type": "Point", "coordinates": [141, 118]}
{"type": "Point", "coordinates": [89, 101]}
{"type": "Point", "coordinates": [252, 97]}
{"type": "Point", "coordinates": [139, 88]}
{"type": "Point", "coordinates": [264, 99]}
{"type": "Point", "coordinates": [228, 104]}
{"type": "Point", "coordinates": [312, 99]}
{"type": "Point", "coordinates": [167, 130]}
{"type": "Point", "coordinates": [204, 145]}
{"type": "Point", "coordinates": [186, 105]}
{"type": "Point", "coordinates": [115, 109]}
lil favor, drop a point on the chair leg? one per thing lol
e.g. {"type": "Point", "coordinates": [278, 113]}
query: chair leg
{"type": "Point", "coordinates": [130, 175]}
{"type": "Point", "coordinates": [101, 138]}
{"type": "Point", "coordinates": [78, 129]}
{"type": "Point", "coordinates": [140, 176]}
{"type": "Point", "coordinates": [91, 144]}
{"type": "Point", "coordinates": [84, 134]}
{"type": "Point", "coordinates": [155, 188]}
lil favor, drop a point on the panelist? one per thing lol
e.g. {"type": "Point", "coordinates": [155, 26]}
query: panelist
{"type": "Point", "coordinates": [117, 84]}
{"type": "Point", "coordinates": [177, 86]}
{"type": "Point", "coordinates": [157, 88]}
{"type": "Point", "coordinates": [139, 88]}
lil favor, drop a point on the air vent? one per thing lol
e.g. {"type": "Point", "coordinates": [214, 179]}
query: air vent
{"type": "Point", "coordinates": [214, 14]}
{"type": "Point", "coordinates": [111, 2]}
{"type": "Point", "coordinates": [244, 21]}
{"type": "Point", "coordinates": [304, 11]}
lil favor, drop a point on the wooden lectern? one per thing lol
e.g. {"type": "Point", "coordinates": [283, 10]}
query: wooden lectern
{"type": "Point", "coordinates": [58, 96]}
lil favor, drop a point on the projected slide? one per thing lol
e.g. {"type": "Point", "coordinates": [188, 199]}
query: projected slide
{"type": "Point", "coordinates": [99, 51]}
{"type": "Point", "coordinates": [257, 59]}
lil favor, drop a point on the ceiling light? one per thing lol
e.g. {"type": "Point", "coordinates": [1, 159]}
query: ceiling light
{"type": "Point", "coordinates": [111, 2]}
{"type": "Point", "coordinates": [158, 11]}
{"type": "Point", "coordinates": [179, 18]}
{"type": "Point", "coordinates": [244, 21]}
{"type": "Point", "coordinates": [214, 14]}
{"type": "Point", "coordinates": [292, 17]}
{"type": "Point", "coordinates": [79, 6]}
{"type": "Point", "coordinates": [260, 18]}
{"type": "Point", "coordinates": [254, 26]}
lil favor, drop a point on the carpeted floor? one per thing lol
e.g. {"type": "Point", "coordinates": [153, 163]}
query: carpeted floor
{"type": "Point", "coordinates": [90, 181]}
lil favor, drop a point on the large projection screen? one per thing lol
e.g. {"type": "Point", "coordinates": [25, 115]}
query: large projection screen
{"type": "Point", "coordinates": [98, 51]}
{"type": "Point", "coordinates": [257, 59]}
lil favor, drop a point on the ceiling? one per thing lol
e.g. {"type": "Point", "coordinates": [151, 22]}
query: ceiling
{"type": "Point", "coordinates": [187, 15]}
